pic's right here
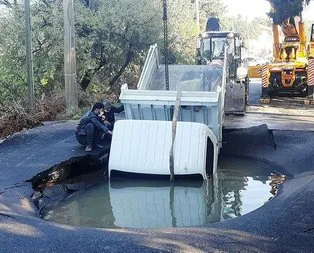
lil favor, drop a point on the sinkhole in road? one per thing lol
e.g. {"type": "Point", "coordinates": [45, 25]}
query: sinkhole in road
{"type": "Point", "coordinates": [242, 186]}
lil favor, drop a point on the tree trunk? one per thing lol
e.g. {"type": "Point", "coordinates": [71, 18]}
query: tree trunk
{"type": "Point", "coordinates": [128, 59]}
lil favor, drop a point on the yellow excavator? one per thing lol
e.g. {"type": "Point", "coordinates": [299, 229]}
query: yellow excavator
{"type": "Point", "coordinates": [292, 68]}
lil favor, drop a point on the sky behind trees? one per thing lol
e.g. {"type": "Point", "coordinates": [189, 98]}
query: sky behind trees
{"type": "Point", "coordinates": [256, 8]}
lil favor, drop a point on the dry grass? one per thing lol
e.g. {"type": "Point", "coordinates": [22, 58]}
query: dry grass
{"type": "Point", "coordinates": [16, 118]}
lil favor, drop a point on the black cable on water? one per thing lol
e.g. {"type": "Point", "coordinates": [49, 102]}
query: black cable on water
{"type": "Point", "coordinates": [165, 20]}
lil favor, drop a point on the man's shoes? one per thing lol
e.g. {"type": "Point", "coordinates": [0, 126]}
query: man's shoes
{"type": "Point", "coordinates": [88, 148]}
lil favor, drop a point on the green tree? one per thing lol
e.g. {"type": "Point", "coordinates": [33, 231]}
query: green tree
{"type": "Point", "coordinates": [112, 38]}
{"type": "Point", "coordinates": [183, 28]}
{"type": "Point", "coordinates": [211, 8]}
{"type": "Point", "coordinates": [12, 56]}
{"type": "Point", "coordinates": [249, 29]}
{"type": "Point", "coordinates": [112, 35]}
{"type": "Point", "coordinates": [47, 33]}
{"type": "Point", "coordinates": [283, 9]}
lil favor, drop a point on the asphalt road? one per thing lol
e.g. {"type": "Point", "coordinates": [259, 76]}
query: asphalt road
{"type": "Point", "coordinates": [285, 224]}
{"type": "Point", "coordinates": [282, 113]}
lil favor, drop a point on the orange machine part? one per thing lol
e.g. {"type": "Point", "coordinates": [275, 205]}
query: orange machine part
{"type": "Point", "coordinates": [287, 79]}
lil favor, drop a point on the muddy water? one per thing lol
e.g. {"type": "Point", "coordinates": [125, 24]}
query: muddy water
{"type": "Point", "coordinates": [242, 187]}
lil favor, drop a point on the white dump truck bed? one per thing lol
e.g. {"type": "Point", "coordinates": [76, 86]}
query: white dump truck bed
{"type": "Point", "coordinates": [196, 92]}
{"type": "Point", "coordinates": [188, 78]}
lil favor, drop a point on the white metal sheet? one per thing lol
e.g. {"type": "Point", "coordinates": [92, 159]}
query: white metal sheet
{"type": "Point", "coordinates": [143, 147]}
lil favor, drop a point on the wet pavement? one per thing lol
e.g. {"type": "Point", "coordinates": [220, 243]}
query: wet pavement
{"type": "Point", "coordinates": [282, 113]}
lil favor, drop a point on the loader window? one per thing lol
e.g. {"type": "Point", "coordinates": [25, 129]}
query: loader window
{"type": "Point", "coordinates": [231, 49]}
{"type": "Point", "coordinates": [237, 46]}
{"type": "Point", "coordinates": [213, 48]}
{"type": "Point", "coordinates": [207, 49]}
{"type": "Point", "coordinates": [218, 49]}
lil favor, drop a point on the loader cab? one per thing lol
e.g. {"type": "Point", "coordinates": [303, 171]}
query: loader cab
{"type": "Point", "coordinates": [211, 48]}
{"type": "Point", "coordinates": [212, 44]}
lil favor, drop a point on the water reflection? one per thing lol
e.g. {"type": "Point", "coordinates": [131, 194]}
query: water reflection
{"type": "Point", "coordinates": [240, 188]}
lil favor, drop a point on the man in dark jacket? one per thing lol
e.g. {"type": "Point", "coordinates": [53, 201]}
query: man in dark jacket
{"type": "Point", "coordinates": [91, 128]}
{"type": "Point", "coordinates": [109, 111]}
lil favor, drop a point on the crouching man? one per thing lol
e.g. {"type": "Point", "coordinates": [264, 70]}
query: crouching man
{"type": "Point", "coordinates": [91, 128]}
{"type": "Point", "coordinates": [109, 111]}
